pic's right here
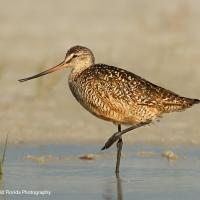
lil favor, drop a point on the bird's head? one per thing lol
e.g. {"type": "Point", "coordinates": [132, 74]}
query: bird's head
{"type": "Point", "coordinates": [77, 57]}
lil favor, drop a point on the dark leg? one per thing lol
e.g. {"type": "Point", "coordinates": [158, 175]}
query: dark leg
{"type": "Point", "coordinates": [116, 136]}
{"type": "Point", "coordinates": [119, 149]}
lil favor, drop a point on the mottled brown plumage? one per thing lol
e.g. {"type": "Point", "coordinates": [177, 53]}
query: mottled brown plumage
{"type": "Point", "coordinates": [116, 95]}
{"type": "Point", "coordinates": [120, 96]}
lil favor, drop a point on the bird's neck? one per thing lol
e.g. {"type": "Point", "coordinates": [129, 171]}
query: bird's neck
{"type": "Point", "coordinates": [78, 69]}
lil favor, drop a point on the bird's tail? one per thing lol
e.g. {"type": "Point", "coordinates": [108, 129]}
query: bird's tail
{"type": "Point", "coordinates": [191, 102]}
{"type": "Point", "coordinates": [181, 105]}
{"type": "Point", "coordinates": [196, 101]}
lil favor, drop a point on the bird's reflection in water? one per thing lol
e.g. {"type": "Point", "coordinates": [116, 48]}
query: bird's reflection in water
{"type": "Point", "coordinates": [111, 193]}
{"type": "Point", "coordinates": [119, 188]}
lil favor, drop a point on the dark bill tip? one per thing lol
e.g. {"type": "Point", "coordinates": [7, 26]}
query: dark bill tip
{"type": "Point", "coordinates": [35, 76]}
{"type": "Point", "coordinates": [22, 80]}
{"type": "Point", "coordinates": [48, 71]}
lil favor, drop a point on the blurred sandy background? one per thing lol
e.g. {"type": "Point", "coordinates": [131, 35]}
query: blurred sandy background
{"type": "Point", "coordinates": [159, 40]}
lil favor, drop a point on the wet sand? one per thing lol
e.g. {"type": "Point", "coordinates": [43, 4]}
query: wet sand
{"type": "Point", "coordinates": [157, 40]}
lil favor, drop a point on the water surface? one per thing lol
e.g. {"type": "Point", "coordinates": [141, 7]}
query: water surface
{"type": "Point", "coordinates": [151, 177]}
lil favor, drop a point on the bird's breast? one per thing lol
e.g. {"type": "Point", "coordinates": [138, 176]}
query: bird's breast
{"type": "Point", "coordinates": [85, 89]}
{"type": "Point", "coordinates": [81, 88]}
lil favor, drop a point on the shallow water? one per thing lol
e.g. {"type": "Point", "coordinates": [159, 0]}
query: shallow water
{"type": "Point", "coordinates": [151, 177]}
{"type": "Point", "coordinates": [157, 40]}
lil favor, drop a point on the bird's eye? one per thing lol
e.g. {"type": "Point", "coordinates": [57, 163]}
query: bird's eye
{"type": "Point", "coordinates": [75, 55]}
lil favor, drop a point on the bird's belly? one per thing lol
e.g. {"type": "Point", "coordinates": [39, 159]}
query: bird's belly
{"type": "Point", "coordinates": [103, 109]}
{"type": "Point", "coordinates": [96, 106]}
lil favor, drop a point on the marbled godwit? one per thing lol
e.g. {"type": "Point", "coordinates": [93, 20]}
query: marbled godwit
{"type": "Point", "coordinates": [116, 95]}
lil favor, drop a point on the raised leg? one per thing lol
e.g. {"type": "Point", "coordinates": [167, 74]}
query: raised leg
{"type": "Point", "coordinates": [116, 136]}
{"type": "Point", "coordinates": [119, 150]}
